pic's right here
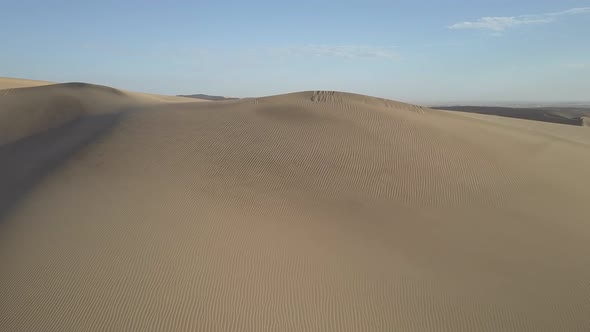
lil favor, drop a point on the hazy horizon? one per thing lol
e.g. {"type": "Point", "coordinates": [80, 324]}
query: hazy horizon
{"type": "Point", "coordinates": [426, 52]}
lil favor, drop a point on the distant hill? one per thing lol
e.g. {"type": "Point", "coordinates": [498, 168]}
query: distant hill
{"type": "Point", "coordinates": [564, 115]}
{"type": "Point", "coordinates": [207, 97]}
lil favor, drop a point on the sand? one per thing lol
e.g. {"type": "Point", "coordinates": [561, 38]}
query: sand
{"type": "Point", "coordinates": [563, 115]}
{"type": "Point", "coordinates": [7, 83]}
{"type": "Point", "coordinates": [25, 112]}
{"type": "Point", "coordinates": [311, 211]}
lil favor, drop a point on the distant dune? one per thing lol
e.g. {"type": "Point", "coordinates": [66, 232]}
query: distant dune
{"type": "Point", "coordinates": [564, 115]}
{"type": "Point", "coordinates": [310, 211]}
{"type": "Point", "coordinates": [208, 97]}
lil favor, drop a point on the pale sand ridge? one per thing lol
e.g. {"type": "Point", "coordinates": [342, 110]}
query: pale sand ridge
{"type": "Point", "coordinates": [311, 211]}
{"type": "Point", "coordinates": [25, 111]}
{"type": "Point", "coordinates": [14, 83]}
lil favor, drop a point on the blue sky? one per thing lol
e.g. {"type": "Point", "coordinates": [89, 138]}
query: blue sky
{"type": "Point", "coordinates": [423, 51]}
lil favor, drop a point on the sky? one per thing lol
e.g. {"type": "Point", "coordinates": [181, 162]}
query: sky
{"type": "Point", "coordinates": [420, 51]}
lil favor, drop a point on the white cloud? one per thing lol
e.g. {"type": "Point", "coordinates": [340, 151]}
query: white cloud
{"type": "Point", "coordinates": [578, 66]}
{"type": "Point", "coordinates": [501, 23]}
{"type": "Point", "coordinates": [573, 11]}
{"type": "Point", "coordinates": [320, 50]}
{"type": "Point", "coordinates": [345, 51]}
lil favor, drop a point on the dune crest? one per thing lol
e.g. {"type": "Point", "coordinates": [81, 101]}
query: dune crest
{"type": "Point", "coordinates": [26, 111]}
{"type": "Point", "coordinates": [7, 83]}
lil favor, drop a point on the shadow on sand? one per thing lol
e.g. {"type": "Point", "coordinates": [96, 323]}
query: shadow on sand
{"type": "Point", "coordinates": [25, 162]}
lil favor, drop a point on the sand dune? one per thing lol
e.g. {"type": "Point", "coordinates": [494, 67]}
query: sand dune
{"type": "Point", "coordinates": [564, 115]}
{"type": "Point", "coordinates": [310, 211]}
{"type": "Point", "coordinates": [26, 111]}
{"type": "Point", "coordinates": [15, 83]}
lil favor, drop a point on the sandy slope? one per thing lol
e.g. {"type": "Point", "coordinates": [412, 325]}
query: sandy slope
{"type": "Point", "coordinates": [25, 111]}
{"type": "Point", "coordinates": [8, 84]}
{"type": "Point", "coordinates": [309, 211]}
{"type": "Point", "coordinates": [563, 115]}
{"type": "Point", "coordinates": [14, 83]}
